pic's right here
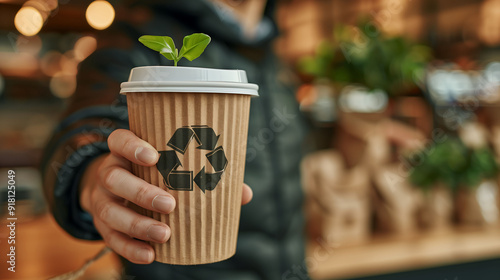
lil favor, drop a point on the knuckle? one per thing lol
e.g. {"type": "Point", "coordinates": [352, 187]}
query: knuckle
{"type": "Point", "coordinates": [135, 228]}
{"type": "Point", "coordinates": [98, 226]}
{"type": "Point", "coordinates": [113, 136]}
{"type": "Point", "coordinates": [129, 145]}
{"type": "Point", "coordinates": [110, 176]}
{"type": "Point", "coordinates": [142, 193]}
{"type": "Point", "coordinates": [109, 240]}
{"type": "Point", "coordinates": [93, 203]}
{"type": "Point", "coordinates": [101, 174]}
{"type": "Point", "coordinates": [103, 211]}
{"type": "Point", "coordinates": [128, 251]}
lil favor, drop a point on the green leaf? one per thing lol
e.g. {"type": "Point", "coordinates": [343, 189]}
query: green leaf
{"type": "Point", "coordinates": [162, 44]}
{"type": "Point", "coordinates": [194, 45]}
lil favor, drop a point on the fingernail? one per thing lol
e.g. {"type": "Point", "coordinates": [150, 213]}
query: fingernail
{"type": "Point", "coordinates": [163, 203]}
{"type": "Point", "coordinates": [146, 155]}
{"type": "Point", "coordinates": [144, 255]}
{"type": "Point", "coordinates": [158, 233]}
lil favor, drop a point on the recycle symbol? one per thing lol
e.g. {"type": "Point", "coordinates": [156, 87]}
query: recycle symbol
{"type": "Point", "coordinates": [180, 180]}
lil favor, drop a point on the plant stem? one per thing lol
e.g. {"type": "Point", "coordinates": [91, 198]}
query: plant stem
{"type": "Point", "coordinates": [175, 62]}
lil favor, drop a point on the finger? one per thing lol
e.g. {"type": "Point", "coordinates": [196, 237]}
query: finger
{"type": "Point", "coordinates": [125, 143]}
{"type": "Point", "coordinates": [124, 184]}
{"type": "Point", "coordinates": [247, 194]}
{"type": "Point", "coordinates": [133, 250]}
{"type": "Point", "coordinates": [131, 223]}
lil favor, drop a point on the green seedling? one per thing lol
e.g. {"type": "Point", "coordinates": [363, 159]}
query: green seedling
{"type": "Point", "coordinates": [192, 46]}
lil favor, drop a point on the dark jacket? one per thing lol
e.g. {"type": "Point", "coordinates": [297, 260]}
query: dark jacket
{"type": "Point", "coordinates": [270, 241]}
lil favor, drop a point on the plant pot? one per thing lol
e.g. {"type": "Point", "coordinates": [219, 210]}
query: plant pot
{"type": "Point", "coordinates": [436, 210]}
{"type": "Point", "coordinates": [396, 201]}
{"type": "Point", "coordinates": [478, 205]}
{"type": "Point", "coordinates": [338, 201]}
{"type": "Point", "coordinates": [197, 118]}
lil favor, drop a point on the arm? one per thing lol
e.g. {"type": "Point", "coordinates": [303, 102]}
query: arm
{"type": "Point", "coordinates": [87, 168]}
{"type": "Point", "coordinates": [81, 137]}
{"type": "Point", "coordinates": [82, 144]}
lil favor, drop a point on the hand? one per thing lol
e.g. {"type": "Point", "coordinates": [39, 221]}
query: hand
{"type": "Point", "coordinates": [108, 182]}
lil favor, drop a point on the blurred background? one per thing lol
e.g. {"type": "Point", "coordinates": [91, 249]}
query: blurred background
{"type": "Point", "coordinates": [402, 99]}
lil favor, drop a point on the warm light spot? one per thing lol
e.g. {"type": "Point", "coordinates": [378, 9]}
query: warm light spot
{"type": "Point", "coordinates": [28, 21]}
{"type": "Point", "coordinates": [306, 95]}
{"type": "Point", "coordinates": [50, 63]}
{"type": "Point", "coordinates": [69, 65]}
{"type": "Point", "coordinates": [18, 64]}
{"type": "Point", "coordinates": [100, 14]}
{"type": "Point", "coordinates": [84, 47]}
{"type": "Point", "coordinates": [63, 85]}
{"type": "Point", "coordinates": [490, 23]}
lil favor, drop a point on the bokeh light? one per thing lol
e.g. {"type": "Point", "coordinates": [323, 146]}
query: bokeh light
{"type": "Point", "coordinates": [492, 73]}
{"type": "Point", "coordinates": [360, 99]}
{"type": "Point", "coordinates": [69, 65]}
{"type": "Point", "coordinates": [28, 21]}
{"type": "Point", "coordinates": [63, 85]}
{"type": "Point", "coordinates": [490, 23]}
{"type": "Point", "coordinates": [84, 47]}
{"type": "Point", "coordinates": [50, 63]}
{"type": "Point", "coordinates": [100, 14]}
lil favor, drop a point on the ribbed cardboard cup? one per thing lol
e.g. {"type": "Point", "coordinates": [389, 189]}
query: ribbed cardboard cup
{"type": "Point", "coordinates": [209, 110]}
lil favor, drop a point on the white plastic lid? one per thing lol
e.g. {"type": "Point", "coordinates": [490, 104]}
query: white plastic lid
{"type": "Point", "coordinates": [188, 79]}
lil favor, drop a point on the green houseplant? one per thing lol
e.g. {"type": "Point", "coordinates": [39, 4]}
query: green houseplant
{"type": "Point", "coordinates": [463, 172]}
{"type": "Point", "coordinates": [455, 165]}
{"type": "Point", "coordinates": [361, 55]}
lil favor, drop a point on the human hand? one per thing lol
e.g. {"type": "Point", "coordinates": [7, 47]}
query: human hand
{"type": "Point", "coordinates": [108, 183]}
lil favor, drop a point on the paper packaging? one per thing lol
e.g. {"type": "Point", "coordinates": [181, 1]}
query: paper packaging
{"type": "Point", "coordinates": [197, 119]}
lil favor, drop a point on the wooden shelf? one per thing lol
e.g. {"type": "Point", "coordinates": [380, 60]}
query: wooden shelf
{"type": "Point", "coordinates": [393, 254]}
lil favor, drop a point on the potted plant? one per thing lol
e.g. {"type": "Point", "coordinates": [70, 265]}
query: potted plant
{"type": "Point", "coordinates": [366, 57]}
{"type": "Point", "coordinates": [197, 119]}
{"type": "Point", "coordinates": [453, 168]}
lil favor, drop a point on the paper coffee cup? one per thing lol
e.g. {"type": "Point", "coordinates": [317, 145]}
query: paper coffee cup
{"type": "Point", "coordinates": [197, 118]}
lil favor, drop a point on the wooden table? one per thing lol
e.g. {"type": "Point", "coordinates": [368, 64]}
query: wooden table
{"type": "Point", "coordinates": [393, 254]}
{"type": "Point", "coordinates": [44, 250]}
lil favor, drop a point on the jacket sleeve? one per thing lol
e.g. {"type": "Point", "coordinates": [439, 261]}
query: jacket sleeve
{"type": "Point", "coordinates": [94, 111]}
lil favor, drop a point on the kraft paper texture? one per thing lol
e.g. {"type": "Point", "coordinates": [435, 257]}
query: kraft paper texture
{"type": "Point", "coordinates": [202, 166]}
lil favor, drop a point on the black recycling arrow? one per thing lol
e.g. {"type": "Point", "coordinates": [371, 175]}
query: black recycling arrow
{"type": "Point", "coordinates": [207, 181]}
{"type": "Point", "coordinates": [175, 180]}
{"type": "Point", "coordinates": [217, 159]}
{"type": "Point", "coordinates": [168, 161]}
{"type": "Point", "coordinates": [180, 140]}
{"type": "Point", "coordinates": [183, 180]}
{"type": "Point", "coordinates": [180, 180]}
{"type": "Point", "coordinates": [205, 136]}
